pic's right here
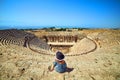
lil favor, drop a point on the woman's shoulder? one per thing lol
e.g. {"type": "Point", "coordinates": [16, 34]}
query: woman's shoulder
{"type": "Point", "coordinates": [60, 61]}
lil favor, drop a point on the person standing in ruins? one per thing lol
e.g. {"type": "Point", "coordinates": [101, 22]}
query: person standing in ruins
{"type": "Point", "coordinates": [25, 41]}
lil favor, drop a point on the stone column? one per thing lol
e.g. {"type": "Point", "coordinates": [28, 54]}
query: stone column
{"type": "Point", "coordinates": [75, 38]}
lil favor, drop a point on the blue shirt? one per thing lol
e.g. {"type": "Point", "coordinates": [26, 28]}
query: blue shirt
{"type": "Point", "coordinates": [60, 67]}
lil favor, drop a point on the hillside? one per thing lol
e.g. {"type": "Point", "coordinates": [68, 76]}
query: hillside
{"type": "Point", "coordinates": [22, 63]}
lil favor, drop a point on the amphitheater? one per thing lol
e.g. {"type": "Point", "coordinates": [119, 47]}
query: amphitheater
{"type": "Point", "coordinates": [26, 55]}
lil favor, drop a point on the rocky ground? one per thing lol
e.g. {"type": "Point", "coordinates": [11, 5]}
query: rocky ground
{"type": "Point", "coordinates": [20, 63]}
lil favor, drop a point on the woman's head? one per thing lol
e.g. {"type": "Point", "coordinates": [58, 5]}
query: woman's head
{"type": "Point", "coordinates": [59, 55]}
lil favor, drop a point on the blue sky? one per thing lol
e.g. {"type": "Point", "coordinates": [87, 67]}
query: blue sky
{"type": "Point", "coordinates": [59, 13]}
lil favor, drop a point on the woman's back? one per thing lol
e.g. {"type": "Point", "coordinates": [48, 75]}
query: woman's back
{"type": "Point", "coordinates": [60, 66]}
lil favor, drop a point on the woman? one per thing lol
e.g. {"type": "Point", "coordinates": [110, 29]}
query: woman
{"type": "Point", "coordinates": [59, 64]}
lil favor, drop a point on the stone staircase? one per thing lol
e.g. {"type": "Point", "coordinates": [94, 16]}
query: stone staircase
{"type": "Point", "coordinates": [17, 37]}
